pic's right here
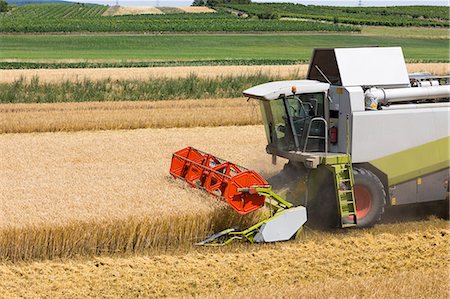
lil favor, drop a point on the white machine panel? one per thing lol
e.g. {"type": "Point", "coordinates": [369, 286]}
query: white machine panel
{"type": "Point", "coordinates": [282, 227]}
{"type": "Point", "coordinates": [274, 90]}
{"type": "Point", "coordinates": [381, 133]}
{"type": "Point", "coordinates": [372, 66]}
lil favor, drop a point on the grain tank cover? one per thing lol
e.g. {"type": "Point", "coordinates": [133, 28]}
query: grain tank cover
{"type": "Point", "coordinates": [370, 66]}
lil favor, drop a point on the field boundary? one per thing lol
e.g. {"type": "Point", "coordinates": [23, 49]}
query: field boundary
{"type": "Point", "coordinates": [157, 33]}
{"type": "Point", "coordinates": [223, 72]}
{"type": "Point", "coordinates": [127, 64]}
{"type": "Point", "coordinates": [15, 65]}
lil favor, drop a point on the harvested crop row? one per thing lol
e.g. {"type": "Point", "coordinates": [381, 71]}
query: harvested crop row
{"type": "Point", "coordinates": [43, 117]}
{"type": "Point", "coordinates": [64, 194]}
{"type": "Point", "coordinates": [390, 261]}
{"type": "Point", "coordinates": [282, 71]}
{"type": "Point", "coordinates": [61, 75]}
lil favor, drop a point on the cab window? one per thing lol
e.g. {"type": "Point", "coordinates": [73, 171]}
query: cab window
{"type": "Point", "coordinates": [286, 124]}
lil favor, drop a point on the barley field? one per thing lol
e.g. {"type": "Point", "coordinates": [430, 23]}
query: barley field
{"type": "Point", "coordinates": [55, 117]}
{"type": "Point", "coordinates": [56, 176]}
{"type": "Point", "coordinates": [95, 214]}
{"type": "Point", "coordinates": [144, 73]}
{"type": "Point", "coordinates": [65, 194]}
{"type": "Point", "coordinates": [407, 260]}
{"type": "Point", "coordinates": [109, 192]}
{"type": "Point", "coordinates": [89, 122]}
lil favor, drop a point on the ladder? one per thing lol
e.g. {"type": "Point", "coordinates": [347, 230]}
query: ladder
{"type": "Point", "coordinates": [341, 167]}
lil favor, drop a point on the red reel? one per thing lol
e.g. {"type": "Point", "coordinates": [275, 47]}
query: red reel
{"type": "Point", "coordinates": [218, 177]}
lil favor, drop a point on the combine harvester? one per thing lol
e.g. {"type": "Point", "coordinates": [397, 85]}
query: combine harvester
{"type": "Point", "coordinates": [359, 134]}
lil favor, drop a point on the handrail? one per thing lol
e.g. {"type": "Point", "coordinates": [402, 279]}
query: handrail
{"type": "Point", "coordinates": [326, 134]}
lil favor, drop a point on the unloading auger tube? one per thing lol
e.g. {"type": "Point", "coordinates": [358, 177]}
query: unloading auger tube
{"type": "Point", "coordinates": [245, 191]}
{"type": "Point", "coordinates": [375, 96]}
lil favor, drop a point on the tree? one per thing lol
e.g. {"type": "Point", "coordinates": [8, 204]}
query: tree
{"type": "Point", "coordinates": [216, 2]}
{"type": "Point", "coordinates": [199, 3]}
{"type": "Point", "coordinates": [3, 6]}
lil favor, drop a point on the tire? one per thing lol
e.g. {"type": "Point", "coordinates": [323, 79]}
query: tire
{"type": "Point", "coordinates": [370, 197]}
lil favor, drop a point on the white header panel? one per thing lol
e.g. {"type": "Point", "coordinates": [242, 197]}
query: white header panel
{"type": "Point", "coordinates": [372, 66]}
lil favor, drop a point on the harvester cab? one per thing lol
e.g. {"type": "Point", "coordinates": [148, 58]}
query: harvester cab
{"type": "Point", "coordinates": [359, 134]}
{"type": "Point", "coordinates": [294, 115]}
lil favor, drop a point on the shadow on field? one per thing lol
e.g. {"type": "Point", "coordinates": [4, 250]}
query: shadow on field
{"type": "Point", "coordinates": [414, 212]}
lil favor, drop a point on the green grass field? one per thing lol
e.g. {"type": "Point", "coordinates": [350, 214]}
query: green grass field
{"type": "Point", "coordinates": [210, 47]}
{"type": "Point", "coordinates": [153, 89]}
{"type": "Point", "coordinates": [407, 32]}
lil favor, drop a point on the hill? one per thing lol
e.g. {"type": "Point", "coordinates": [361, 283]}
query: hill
{"type": "Point", "coordinates": [90, 18]}
{"type": "Point", "coordinates": [424, 16]}
{"type": "Point", "coordinates": [25, 2]}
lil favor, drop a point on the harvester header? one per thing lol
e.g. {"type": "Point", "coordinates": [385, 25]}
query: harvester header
{"type": "Point", "coordinates": [244, 190]}
{"type": "Point", "coordinates": [219, 177]}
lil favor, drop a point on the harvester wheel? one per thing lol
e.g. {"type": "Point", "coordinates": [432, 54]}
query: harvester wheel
{"type": "Point", "coordinates": [370, 197]}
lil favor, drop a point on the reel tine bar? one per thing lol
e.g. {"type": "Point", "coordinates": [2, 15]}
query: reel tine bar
{"type": "Point", "coordinates": [219, 178]}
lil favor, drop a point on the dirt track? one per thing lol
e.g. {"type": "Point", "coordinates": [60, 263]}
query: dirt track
{"type": "Point", "coordinates": [284, 71]}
